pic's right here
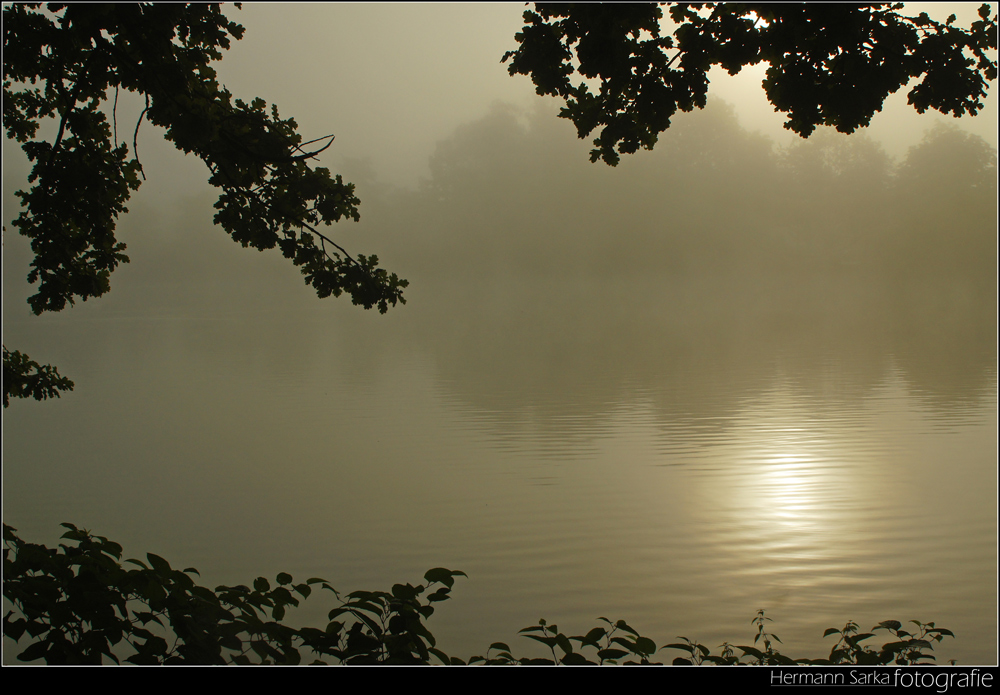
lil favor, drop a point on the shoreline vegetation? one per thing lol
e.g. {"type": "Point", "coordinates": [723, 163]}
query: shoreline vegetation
{"type": "Point", "coordinates": [80, 604]}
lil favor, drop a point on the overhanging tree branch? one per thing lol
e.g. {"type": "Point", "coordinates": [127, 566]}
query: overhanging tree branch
{"type": "Point", "coordinates": [830, 64]}
{"type": "Point", "coordinates": [25, 378]}
{"type": "Point", "coordinates": [162, 51]}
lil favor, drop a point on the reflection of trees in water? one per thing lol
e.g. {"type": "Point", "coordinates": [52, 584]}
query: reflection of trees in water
{"type": "Point", "coordinates": [697, 348]}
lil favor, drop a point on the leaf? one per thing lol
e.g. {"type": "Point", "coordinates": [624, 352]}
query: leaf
{"type": "Point", "coordinates": [611, 653]}
{"type": "Point", "coordinates": [442, 594]}
{"type": "Point", "coordinates": [14, 628]}
{"type": "Point", "coordinates": [564, 644]}
{"type": "Point", "coordinates": [872, 659]}
{"type": "Point", "coordinates": [231, 642]}
{"type": "Point", "coordinates": [647, 646]}
{"type": "Point", "coordinates": [145, 617]}
{"type": "Point", "coordinates": [895, 646]}
{"type": "Point", "coordinates": [837, 654]}
{"type": "Point", "coordinates": [36, 628]}
{"type": "Point", "coordinates": [593, 637]}
{"type": "Point", "coordinates": [158, 563]}
{"type": "Point", "coordinates": [442, 576]}
{"type": "Point", "coordinates": [622, 625]}
{"type": "Point", "coordinates": [34, 651]}
{"type": "Point", "coordinates": [405, 592]}
{"type": "Point", "coordinates": [502, 646]}
{"type": "Point", "coordinates": [831, 631]}
{"type": "Point", "coordinates": [686, 647]}
{"type": "Point", "coordinates": [547, 641]}
{"type": "Point", "coordinates": [942, 631]}
{"type": "Point", "coordinates": [262, 648]}
{"type": "Point", "coordinates": [284, 578]}
{"type": "Point", "coordinates": [625, 642]}
{"type": "Point", "coordinates": [440, 655]}
{"type": "Point", "coordinates": [355, 606]}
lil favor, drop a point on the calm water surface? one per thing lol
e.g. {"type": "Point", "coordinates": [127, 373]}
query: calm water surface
{"type": "Point", "coordinates": [678, 455]}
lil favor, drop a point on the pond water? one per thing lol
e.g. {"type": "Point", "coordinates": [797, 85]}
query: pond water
{"type": "Point", "coordinates": [676, 453]}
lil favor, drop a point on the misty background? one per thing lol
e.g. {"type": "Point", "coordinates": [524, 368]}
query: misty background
{"type": "Point", "coordinates": [605, 381]}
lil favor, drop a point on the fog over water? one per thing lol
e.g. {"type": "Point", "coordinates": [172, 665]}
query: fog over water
{"type": "Point", "coordinates": [741, 371]}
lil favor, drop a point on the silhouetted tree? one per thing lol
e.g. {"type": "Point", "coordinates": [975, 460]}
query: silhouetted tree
{"type": "Point", "coordinates": [835, 194]}
{"type": "Point", "coordinates": [947, 183]}
{"type": "Point", "coordinates": [829, 64]}
{"type": "Point", "coordinates": [64, 62]}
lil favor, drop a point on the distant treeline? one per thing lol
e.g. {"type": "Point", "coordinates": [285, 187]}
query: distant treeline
{"type": "Point", "coordinates": [514, 192]}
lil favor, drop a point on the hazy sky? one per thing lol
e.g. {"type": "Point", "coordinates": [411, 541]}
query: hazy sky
{"type": "Point", "coordinates": [390, 80]}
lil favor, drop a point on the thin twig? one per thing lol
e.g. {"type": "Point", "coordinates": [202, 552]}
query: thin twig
{"type": "Point", "coordinates": [306, 155]}
{"type": "Point", "coordinates": [299, 147]}
{"type": "Point", "coordinates": [135, 137]}
{"type": "Point", "coordinates": [323, 240]}
{"type": "Point", "coordinates": [310, 155]}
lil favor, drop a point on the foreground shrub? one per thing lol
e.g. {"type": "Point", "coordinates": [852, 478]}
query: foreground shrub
{"type": "Point", "coordinates": [78, 604]}
{"type": "Point", "coordinates": [81, 606]}
{"type": "Point", "coordinates": [618, 643]}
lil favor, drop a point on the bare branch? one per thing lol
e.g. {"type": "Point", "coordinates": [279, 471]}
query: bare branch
{"type": "Point", "coordinates": [135, 137]}
{"type": "Point", "coordinates": [310, 155]}
{"type": "Point", "coordinates": [299, 147]}
{"type": "Point", "coordinates": [324, 239]}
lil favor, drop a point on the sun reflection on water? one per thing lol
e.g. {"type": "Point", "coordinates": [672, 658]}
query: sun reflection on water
{"type": "Point", "coordinates": [795, 477]}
